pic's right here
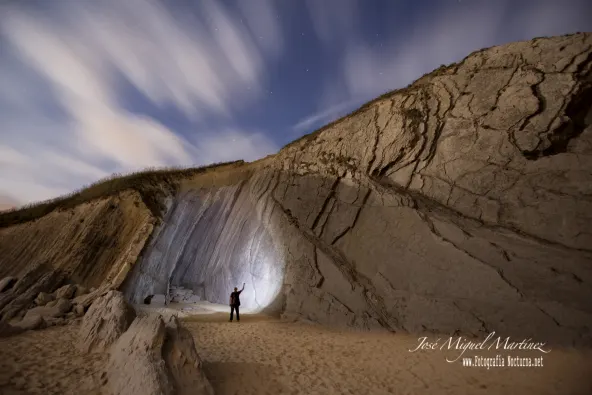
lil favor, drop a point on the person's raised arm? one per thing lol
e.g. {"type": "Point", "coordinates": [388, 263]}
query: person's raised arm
{"type": "Point", "coordinates": [242, 289]}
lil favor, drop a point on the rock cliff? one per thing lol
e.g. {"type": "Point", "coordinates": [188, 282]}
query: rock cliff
{"type": "Point", "coordinates": [460, 204]}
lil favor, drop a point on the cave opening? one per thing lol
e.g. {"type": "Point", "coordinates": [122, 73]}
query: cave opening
{"type": "Point", "coordinates": [210, 242]}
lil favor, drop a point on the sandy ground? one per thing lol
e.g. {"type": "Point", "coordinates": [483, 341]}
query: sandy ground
{"type": "Point", "coordinates": [262, 355]}
{"type": "Point", "coordinates": [46, 362]}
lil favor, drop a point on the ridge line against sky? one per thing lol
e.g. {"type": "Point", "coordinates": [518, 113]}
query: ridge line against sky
{"type": "Point", "coordinates": [90, 88]}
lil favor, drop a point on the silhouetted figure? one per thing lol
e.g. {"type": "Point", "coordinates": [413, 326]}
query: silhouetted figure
{"type": "Point", "coordinates": [235, 302]}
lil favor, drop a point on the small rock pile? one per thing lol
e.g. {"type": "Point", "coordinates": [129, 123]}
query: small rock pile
{"type": "Point", "coordinates": [66, 304]}
{"type": "Point", "coordinates": [182, 295]}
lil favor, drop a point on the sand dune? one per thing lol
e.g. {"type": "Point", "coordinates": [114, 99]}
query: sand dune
{"type": "Point", "coordinates": [262, 355]}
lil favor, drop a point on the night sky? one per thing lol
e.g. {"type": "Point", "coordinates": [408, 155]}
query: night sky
{"type": "Point", "coordinates": [89, 88]}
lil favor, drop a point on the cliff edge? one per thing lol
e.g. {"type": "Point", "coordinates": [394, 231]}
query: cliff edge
{"type": "Point", "coordinates": [460, 204]}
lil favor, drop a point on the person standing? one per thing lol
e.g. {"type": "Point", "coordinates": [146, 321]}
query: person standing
{"type": "Point", "coordinates": [235, 302]}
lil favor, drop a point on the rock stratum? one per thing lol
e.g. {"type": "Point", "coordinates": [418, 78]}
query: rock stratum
{"type": "Point", "coordinates": [460, 204]}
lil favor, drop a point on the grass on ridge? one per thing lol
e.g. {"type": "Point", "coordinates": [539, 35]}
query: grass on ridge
{"type": "Point", "coordinates": [151, 183]}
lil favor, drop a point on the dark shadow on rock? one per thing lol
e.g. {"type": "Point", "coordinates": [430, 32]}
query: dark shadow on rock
{"type": "Point", "coordinates": [39, 278]}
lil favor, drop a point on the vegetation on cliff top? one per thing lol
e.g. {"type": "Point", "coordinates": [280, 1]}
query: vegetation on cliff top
{"type": "Point", "coordinates": [443, 69]}
{"type": "Point", "coordinates": [152, 184]}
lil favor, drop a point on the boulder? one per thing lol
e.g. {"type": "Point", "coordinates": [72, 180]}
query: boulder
{"type": "Point", "coordinates": [135, 360]}
{"type": "Point", "coordinates": [79, 310]}
{"type": "Point", "coordinates": [7, 283]}
{"type": "Point", "coordinates": [104, 322]}
{"type": "Point", "coordinates": [80, 290]}
{"type": "Point", "coordinates": [66, 292]}
{"type": "Point", "coordinates": [61, 307]}
{"type": "Point", "coordinates": [157, 359]}
{"type": "Point", "coordinates": [52, 303]}
{"type": "Point", "coordinates": [43, 298]}
{"type": "Point", "coordinates": [30, 323]}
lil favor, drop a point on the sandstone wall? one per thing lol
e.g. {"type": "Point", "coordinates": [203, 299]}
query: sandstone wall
{"type": "Point", "coordinates": [461, 203]}
{"type": "Point", "coordinates": [95, 243]}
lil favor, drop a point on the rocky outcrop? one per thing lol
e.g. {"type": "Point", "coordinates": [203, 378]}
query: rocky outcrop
{"type": "Point", "coordinates": [469, 211]}
{"type": "Point", "coordinates": [460, 204]}
{"type": "Point", "coordinates": [151, 358]}
{"type": "Point", "coordinates": [104, 322]}
{"type": "Point", "coordinates": [6, 283]}
{"type": "Point", "coordinates": [457, 204]}
{"type": "Point", "coordinates": [182, 295]}
{"type": "Point", "coordinates": [183, 362]}
{"type": "Point", "coordinates": [93, 245]}
{"type": "Point", "coordinates": [39, 278]}
{"type": "Point", "coordinates": [135, 362]}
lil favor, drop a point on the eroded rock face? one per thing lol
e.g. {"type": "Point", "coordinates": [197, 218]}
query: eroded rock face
{"type": "Point", "coordinates": [460, 204]}
{"type": "Point", "coordinates": [135, 361]}
{"type": "Point", "coordinates": [95, 243]}
{"type": "Point", "coordinates": [39, 278]}
{"type": "Point", "coordinates": [468, 211]}
{"type": "Point", "coordinates": [183, 361]}
{"type": "Point", "coordinates": [106, 319]}
{"type": "Point", "coordinates": [213, 241]}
